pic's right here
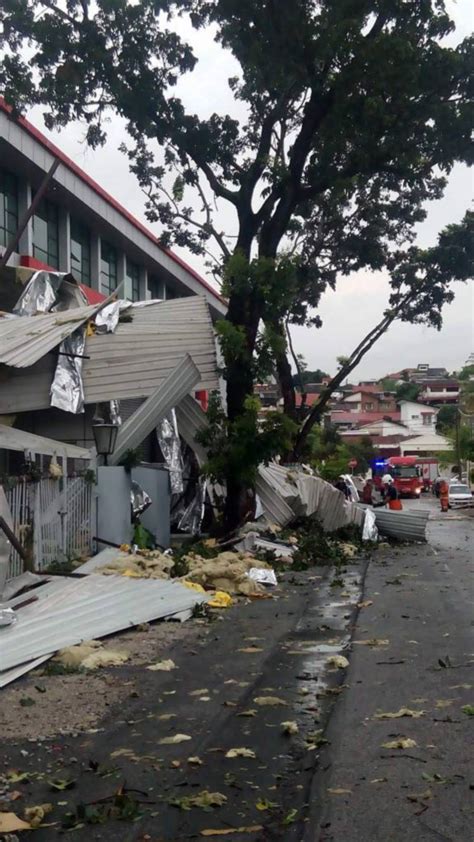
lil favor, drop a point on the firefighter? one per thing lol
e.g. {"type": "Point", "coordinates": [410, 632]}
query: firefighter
{"type": "Point", "coordinates": [391, 496]}
{"type": "Point", "coordinates": [444, 495]}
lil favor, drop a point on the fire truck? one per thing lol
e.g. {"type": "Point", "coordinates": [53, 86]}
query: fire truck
{"type": "Point", "coordinates": [429, 468]}
{"type": "Point", "coordinates": [405, 472]}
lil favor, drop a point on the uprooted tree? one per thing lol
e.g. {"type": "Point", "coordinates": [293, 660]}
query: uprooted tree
{"type": "Point", "coordinates": [353, 113]}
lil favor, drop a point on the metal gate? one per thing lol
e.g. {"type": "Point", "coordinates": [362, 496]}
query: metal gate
{"type": "Point", "coordinates": [62, 521]}
{"type": "Point", "coordinates": [60, 513]}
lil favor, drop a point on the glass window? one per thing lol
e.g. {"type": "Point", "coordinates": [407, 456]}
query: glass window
{"type": "Point", "coordinates": [80, 252]}
{"type": "Point", "coordinates": [108, 268]}
{"type": "Point", "coordinates": [133, 277]}
{"type": "Point", "coordinates": [426, 419]}
{"type": "Point", "coordinates": [8, 207]}
{"type": "Point", "coordinates": [45, 234]}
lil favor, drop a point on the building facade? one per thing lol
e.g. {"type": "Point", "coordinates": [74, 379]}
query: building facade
{"type": "Point", "coordinates": [419, 418]}
{"type": "Point", "coordinates": [79, 228]}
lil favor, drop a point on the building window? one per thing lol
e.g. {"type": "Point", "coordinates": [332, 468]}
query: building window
{"type": "Point", "coordinates": [426, 417]}
{"type": "Point", "coordinates": [45, 234]}
{"type": "Point", "coordinates": [133, 277]}
{"type": "Point", "coordinates": [8, 207]}
{"type": "Point", "coordinates": [80, 252]}
{"type": "Point", "coordinates": [108, 268]}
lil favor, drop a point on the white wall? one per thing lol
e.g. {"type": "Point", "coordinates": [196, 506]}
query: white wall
{"type": "Point", "coordinates": [411, 414]}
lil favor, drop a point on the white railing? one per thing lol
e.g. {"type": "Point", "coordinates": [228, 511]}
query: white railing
{"type": "Point", "coordinates": [59, 513]}
{"type": "Point", "coordinates": [21, 501]}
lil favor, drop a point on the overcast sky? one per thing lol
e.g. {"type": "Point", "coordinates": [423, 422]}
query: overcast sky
{"type": "Point", "coordinates": [360, 299]}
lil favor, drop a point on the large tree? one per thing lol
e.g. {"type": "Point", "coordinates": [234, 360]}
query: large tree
{"type": "Point", "coordinates": [355, 112]}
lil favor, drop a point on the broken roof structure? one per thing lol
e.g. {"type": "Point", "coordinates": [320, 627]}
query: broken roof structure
{"type": "Point", "coordinates": [129, 363]}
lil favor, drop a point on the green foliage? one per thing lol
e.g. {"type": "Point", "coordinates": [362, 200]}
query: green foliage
{"type": "Point", "coordinates": [329, 454]}
{"type": "Point", "coordinates": [130, 459]}
{"type": "Point", "coordinates": [236, 448]}
{"type": "Point", "coordinates": [389, 385]}
{"type": "Point", "coordinates": [407, 392]}
{"type": "Point", "coordinates": [309, 376]}
{"type": "Point", "coordinates": [447, 416]}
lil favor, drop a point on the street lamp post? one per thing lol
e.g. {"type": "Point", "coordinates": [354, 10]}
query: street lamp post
{"type": "Point", "coordinates": [105, 437]}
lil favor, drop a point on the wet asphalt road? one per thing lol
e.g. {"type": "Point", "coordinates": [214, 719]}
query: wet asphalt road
{"type": "Point", "coordinates": [421, 604]}
{"type": "Point", "coordinates": [423, 600]}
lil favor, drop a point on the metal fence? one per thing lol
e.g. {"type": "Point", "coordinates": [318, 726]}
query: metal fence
{"type": "Point", "coordinates": [56, 516]}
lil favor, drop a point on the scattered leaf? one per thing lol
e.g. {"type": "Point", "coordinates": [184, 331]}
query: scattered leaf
{"type": "Point", "coordinates": [240, 752]}
{"type": "Point", "coordinates": [402, 742]}
{"type": "Point", "coordinates": [379, 781]}
{"type": "Point", "coordinates": [420, 796]}
{"type": "Point", "coordinates": [444, 703]}
{"type": "Point", "coordinates": [433, 779]}
{"type": "Point", "coordinates": [468, 710]}
{"type": "Point", "coordinates": [250, 650]}
{"type": "Point", "coordinates": [290, 727]}
{"type": "Point", "coordinates": [269, 700]}
{"type": "Point", "coordinates": [203, 692]}
{"type": "Point", "coordinates": [15, 777]}
{"type": "Point", "coordinates": [205, 800]}
{"type": "Point", "coordinates": [27, 702]}
{"type": "Point", "coordinates": [60, 784]}
{"type": "Point", "coordinates": [36, 815]}
{"type": "Point", "coordinates": [415, 714]}
{"type": "Point", "coordinates": [162, 666]}
{"type": "Point", "coordinates": [340, 791]}
{"type": "Point", "coordinates": [290, 817]}
{"type": "Point", "coordinates": [264, 804]}
{"type": "Point", "coordinates": [10, 823]}
{"type": "Point", "coordinates": [250, 712]}
{"type": "Point", "coordinates": [165, 716]}
{"type": "Point", "coordinates": [461, 687]}
{"type": "Point", "coordinates": [195, 761]}
{"type": "Point", "coordinates": [365, 604]}
{"type": "Point", "coordinates": [174, 740]}
{"type": "Point", "coordinates": [254, 828]}
{"type": "Point", "coordinates": [372, 642]}
{"type": "Point", "coordinates": [338, 661]}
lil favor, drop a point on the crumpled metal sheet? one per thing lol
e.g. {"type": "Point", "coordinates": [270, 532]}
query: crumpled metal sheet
{"type": "Point", "coordinates": [139, 498]}
{"type": "Point", "coordinates": [114, 412]}
{"type": "Point", "coordinates": [40, 293]}
{"type": "Point", "coordinates": [67, 391]}
{"type": "Point", "coordinates": [168, 439]}
{"type": "Point", "coordinates": [369, 530]}
{"type": "Point", "coordinates": [107, 319]}
{"type": "Point", "coordinates": [194, 513]}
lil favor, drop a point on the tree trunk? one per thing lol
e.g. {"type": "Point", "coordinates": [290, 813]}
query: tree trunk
{"type": "Point", "coordinates": [244, 313]}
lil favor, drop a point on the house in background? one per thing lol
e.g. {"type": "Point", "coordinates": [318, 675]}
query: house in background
{"type": "Point", "coordinates": [440, 392]}
{"type": "Point", "coordinates": [424, 372]}
{"type": "Point", "coordinates": [418, 418]}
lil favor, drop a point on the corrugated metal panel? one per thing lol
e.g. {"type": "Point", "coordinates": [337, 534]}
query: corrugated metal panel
{"type": "Point", "coordinates": [132, 362]}
{"type": "Point", "coordinates": [274, 506]}
{"type": "Point", "coordinates": [92, 607]}
{"type": "Point", "coordinates": [191, 419]}
{"type": "Point", "coordinates": [13, 439]}
{"type": "Point", "coordinates": [406, 526]}
{"type": "Point", "coordinates": [179, 382]}
{"type": "Point", "coordinates": [25, 339]}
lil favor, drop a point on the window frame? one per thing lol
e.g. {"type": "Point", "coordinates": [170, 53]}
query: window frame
{"type": "Point", "coordinates": [50, 220]}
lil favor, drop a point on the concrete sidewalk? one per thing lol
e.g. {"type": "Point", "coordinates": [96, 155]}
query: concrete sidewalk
{"type": "Point", "coordinates": [422, 616]}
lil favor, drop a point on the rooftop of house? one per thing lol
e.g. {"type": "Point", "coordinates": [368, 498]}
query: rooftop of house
{"type": "Point", "coordinates": [341, 417]}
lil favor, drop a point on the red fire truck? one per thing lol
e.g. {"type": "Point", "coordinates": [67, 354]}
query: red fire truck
{"type": "Point", "coordinates": [405, 472]}
{"type": "Point", "coordinates": [429, 469]}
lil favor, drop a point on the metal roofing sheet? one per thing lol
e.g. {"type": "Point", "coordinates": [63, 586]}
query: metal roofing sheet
{"type": "Point", "coordinates": [25, 339]}
{"type": "Point", "coordinates": [179, 382]}
{"type": "Point", "coordinates": [13, 439]}
{"type": "Point", "coordinates": [406, 526]}
{"type": "Point", "coordinates": [132, 362]}
{"type": "Point", "coordinates": [92, 607]}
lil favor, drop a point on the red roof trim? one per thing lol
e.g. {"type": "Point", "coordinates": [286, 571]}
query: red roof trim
{"type": "Point", "coordinates": [68, 162]}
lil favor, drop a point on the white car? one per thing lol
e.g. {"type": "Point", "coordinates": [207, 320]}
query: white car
{"type": "Point", "coordinates": [459, 495]}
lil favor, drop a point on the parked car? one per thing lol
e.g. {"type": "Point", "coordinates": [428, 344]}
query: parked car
{"type": "Point", "coordinates": [459, 495]}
